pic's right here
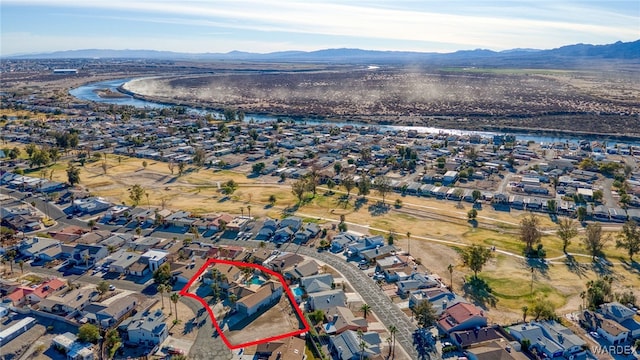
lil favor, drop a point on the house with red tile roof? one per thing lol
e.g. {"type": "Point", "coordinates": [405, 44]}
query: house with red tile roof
{"type": "Point", "coordinates": [461, 316]}
{"type": "Point", "coordinates": [25, 294]}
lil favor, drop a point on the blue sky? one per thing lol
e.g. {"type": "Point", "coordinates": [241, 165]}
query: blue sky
{"type": "Point", "coordinates": [29, 26]}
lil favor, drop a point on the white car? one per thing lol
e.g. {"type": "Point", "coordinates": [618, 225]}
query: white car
{"type": "Point", "coordinates": [111, 287]}
{"type": "Point", "coordinates": [594, 335]}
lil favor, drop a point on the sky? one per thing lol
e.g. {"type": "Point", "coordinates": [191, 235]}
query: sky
{"type": "Point", "coordinates": [198, 26]}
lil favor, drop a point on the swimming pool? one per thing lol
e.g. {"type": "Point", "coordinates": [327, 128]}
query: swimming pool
{"type": "Point", "coordinates": [256, 281]}
{"type": "Point", "coordinates": [297, 291]}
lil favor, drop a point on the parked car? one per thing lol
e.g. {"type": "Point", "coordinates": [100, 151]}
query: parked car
{"type": "Point", "coordinates": [594, 335]}
{"type": "Point", "coordinates": [111, 287]}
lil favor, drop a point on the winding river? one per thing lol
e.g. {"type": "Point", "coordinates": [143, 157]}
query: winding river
{"type": "Point", "coordinates": [88, 92]}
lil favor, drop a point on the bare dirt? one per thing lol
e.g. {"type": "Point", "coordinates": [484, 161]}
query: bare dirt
{"type": "Point", "coordinates": [461, 98]}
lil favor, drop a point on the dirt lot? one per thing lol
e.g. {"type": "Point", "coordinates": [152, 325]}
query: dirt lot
{"type": "Point", "coordinates": [263, 327]}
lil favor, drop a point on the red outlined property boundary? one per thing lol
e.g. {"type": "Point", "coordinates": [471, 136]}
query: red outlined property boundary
{"type": "Point", "coordinates": [185, 292]}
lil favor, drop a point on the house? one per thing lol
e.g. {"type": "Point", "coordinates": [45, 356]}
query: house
{"type": "Point", "coordinates": [450, 177]}
{"type": "Point", "coordinates": [155, 258]}
{"type": "Point", "coordinates": [292, 222]}
{"type": "Point", "coordinates": [91, 205]}
{"type": "Point", "coordinates": [609, 329]}
{"type": "Point", "coordinates": [297, 271]}
{"type": "Point", "coordinates": [117, 241]}
{"type": "Point", "coordinates": [365, 243]}
{"type": "Point", "coordinates": [378, 253]}
{"type": "Point", "coordinates": [417, 281]}
{"type": "Point", "coordinates": [72, 348]}
{"type": "Point", "coordinates": [495, 350]}
{"type": "Point", "coordinates": [139, 268]}
{"type": "Point", "coordinates": [267, 295]}
{"type": "Point", "coordinates": [182, 273]}
{"type": "Point", "coordinates": [179, 219]}
{"type": "Point", "coordinates": [283, 235]}
{"type": "Point", "coordinates": [340, 319]}
{"type": "Point", "coordinates": [325, 300]}
{"type": "Point", "coordinates": [285, 261]}
{"type": "Point", "coordinates": [550, 338]}
{"type": "Point", "coordinates": [16, 330]}
{"type": "Point", "coordinates": [40, 248]}
{"type": "Point", "coordinates": [34, 295]}
{"type": "Point", "coordinates": [440, 298]}
{"type": "Point", "coordinates": [229, 274]}
{"type": "Point", "coordinates": [308, 232]}
{"type": "Point", "coordinates": [86, 256]}
{"type": "Point", "coordinates": [144, 329]}
{"type": "Point", "coordinates": [69, 303]}
{"type": "Point", "coordinates": [316, 283]}
{"type": "Point", "coordinates": [461, 316]}
{"type": "Point", "coordinates": [473, 337]}
{"type": "Point", "coordinates": [122, 260]}
{"type": "Point", "coordinates": [346, 346]}
{"type": "Point", "coordinates": [292, 348]}
{"type": "Point", "coordinates": [623, 316]}
{"type": "Point", "coordinates": [267, 230]}
{"type": "Point", "coordinates": [339, 242]}
{"type": "Point", "coordinates": [109, 315]}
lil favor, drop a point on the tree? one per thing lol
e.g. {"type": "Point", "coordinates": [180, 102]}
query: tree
{"type": "Point", "coordinates": [257, 168]}
{"type": "Point", "coordinates": [364, 184]}
{"type": "Point", "coordinates": [113, 342]}
{"type": "Point", "coordinates": [597, 196]}
{"type": "Point", "coordinates": [525, 310]}
{"type": "Point", "coordinates": [174, 299]}
{"type": "Point", "coordinates": [298, 188]}
{"type": "Point", "coordinates": [552, 205]}
{"type": "Point", "coordinates": [331, 184]}
{"type": "Point", "coordinates": [629, 238]}
{"type": "Point", "coordinates": [450, 268]}
{"type": "Point", "coordinates": [161, 289]}
{"type": "Point", "coordinates": [199, 157]}
{"type": "Point", "coordinates": [145, 164]}
{"type": "Point", "coordinates": [475, 257]}
{"type": "Point", "coordinates": [163, 274]}
{"type": "Point", "coordinates": [272, 199]}
{"type": "Point", "coordinates": [91, 223]}
{"type": "Point", "coordinates": [425, 314]}
{"type": "Point", "coordinates": [567, 230]}
{"type": "Point", "coordinates": [102, 287]}
{"type": "Point", "coordinates": [10, 255]}
{"type": "Point", "coordinates": [21, 265]}
{"type": "Point", "coordinates": [593, 239]}
{"type": "Point", "coordinates": [337, 168]}
{"type": "Point", "coordinates": [543, 308]}
{"type": "Point", "coordinates": [171, 166]}
{"type": "Point", "coordinates": [472, 214]}
{"type": "Point", "coordinates": [181, 167]}
{"type": "Point", "coordinates": [598, 292]}
{"type": "Point", "coordinates": [73, 175]}
{"type": "Point", "coordinates": [382, 184]}
{"type": "Point", "coordinates": [393, 330]}
{"type": "Point", "coordinates": [476, 194]}
{"type": "Point", "coordinates": [408, 242]}
{"type": "Point", "coordinates": [230, 187]}
{"type": "Point", "coordinates": [135, 194]}
{"type": "Point", "coordinates": [365, 308]}
{"type": "Point", "coordinates": [581, 213]}
{"type": "Point", "coordinates": [317, 316]}
{"type": "Point", "coordinates": [88, 333]}
{"type": "Point", "coordinates": [529, 233]}
{"type": "Point", "coordinates": [348, 183]}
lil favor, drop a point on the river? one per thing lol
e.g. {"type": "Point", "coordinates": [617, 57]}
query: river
{"type": "Point", "coordinates": [87, 92]}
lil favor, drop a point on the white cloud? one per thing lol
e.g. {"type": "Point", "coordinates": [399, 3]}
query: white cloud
{"type": "Point", "coordinates": [543, 24]}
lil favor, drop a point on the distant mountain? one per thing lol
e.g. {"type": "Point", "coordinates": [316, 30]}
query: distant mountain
{"type": "Point", "coordinates": [521, 57]}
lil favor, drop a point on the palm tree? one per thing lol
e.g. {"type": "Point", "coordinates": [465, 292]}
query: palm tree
{"type": "Point", "coordinates": [450, 268]}
{"type": "Point", "coordinates": [242, 211]}
{"type": "Point", "coordinates": [408, 242]}
{"type": "Point", "coordinates": [365, 308]}
{"type": "Point", "coordinates": [91, 223]}
{"type": "Point", "coordinates": [174, 299]}
{"type": "Point", "coordinates": [525, 309]}
{"type": "Point", "coordinates": [249, 210]}
{"type": "Point", "coordinates": [11, 255]}
{"type": "Point", "coordinates": [362, 344]}
{"type": "Point", "coordinates": [86, 257]}
{"type": "Point", "coordinates": [393, 330]}
{"type": "Point", "coordinates": [21, 264]}
{"type": "Point", "coordinates": [161, 289]}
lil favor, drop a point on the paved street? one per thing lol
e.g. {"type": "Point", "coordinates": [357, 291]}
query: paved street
{"type": "Point", "coordinates": [206, 346]}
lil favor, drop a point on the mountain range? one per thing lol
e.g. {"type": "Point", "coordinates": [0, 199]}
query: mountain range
{"type": "Point", "coordinates": [565, 54]}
